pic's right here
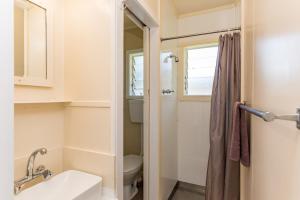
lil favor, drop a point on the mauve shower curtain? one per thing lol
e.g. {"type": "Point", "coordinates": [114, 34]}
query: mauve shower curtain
{"type": "Point", "coordinates": [223, 175]}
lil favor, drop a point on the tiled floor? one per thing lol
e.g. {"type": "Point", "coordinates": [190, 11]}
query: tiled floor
{"type": "Point", "coordinates": [182, 194]}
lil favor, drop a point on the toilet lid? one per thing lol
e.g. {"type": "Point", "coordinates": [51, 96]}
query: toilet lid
{"type": "Point", "coordinates": [132, 162]}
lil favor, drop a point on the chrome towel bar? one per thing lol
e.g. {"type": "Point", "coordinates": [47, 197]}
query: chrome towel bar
{"type": "Point", "coordinates": [269, 117]}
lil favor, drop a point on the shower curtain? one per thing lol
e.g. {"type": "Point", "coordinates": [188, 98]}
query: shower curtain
{"type": "Point", "coordinates": [223, 175]}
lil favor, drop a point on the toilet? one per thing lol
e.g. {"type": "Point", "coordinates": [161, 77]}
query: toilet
{"type": "Point", "coordinates": [132, 172]}
{"type": "Point", "coordinates": [132, 169]}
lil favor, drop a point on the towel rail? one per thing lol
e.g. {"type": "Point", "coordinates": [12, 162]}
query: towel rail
{"type": "Point", "coordinates": [269, 116]}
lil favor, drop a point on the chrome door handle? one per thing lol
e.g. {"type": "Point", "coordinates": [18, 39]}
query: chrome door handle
{"type": "Point", "coordinates": [167, 91]}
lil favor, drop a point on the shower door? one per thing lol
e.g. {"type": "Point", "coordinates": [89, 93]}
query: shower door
{"type": "Point", "coordinates": [168, 79]}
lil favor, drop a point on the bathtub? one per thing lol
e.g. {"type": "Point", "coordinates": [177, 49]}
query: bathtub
{"type": "Point", "coordinates": [69, 185]}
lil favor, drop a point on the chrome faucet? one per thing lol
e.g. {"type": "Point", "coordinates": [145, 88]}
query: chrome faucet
{"type": "Point", "coordinates": [32, 174]}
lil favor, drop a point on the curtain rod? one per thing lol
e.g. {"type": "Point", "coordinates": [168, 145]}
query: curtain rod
{"type": "Point", "coordinates": [199, 34]}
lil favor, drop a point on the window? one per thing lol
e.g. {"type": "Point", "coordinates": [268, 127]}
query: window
{"type": "Point", "coordinates": [136, 73]}
{"type": "Point", "coordinates": [199, 69]}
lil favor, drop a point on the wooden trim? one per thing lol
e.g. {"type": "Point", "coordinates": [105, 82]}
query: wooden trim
{"type": "Point", "coordinates": [42, 102]}
{"type": "Point", "coordinates": [90, 104]}
{"type": "Point", "coordinates": [118, 98]}
{"type": "Point", "coordinates": [88, 151]}
{"type": "Point", "coordinates": [146, 113]}
{"type": "Point", "coordinates": [30, 81]}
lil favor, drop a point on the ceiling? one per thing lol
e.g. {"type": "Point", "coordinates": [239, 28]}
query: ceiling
{"type": "Point", "coordinates": [190, 6]}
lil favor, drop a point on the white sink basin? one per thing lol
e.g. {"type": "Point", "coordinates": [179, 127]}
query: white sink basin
{"type": "Point", "coordinates": [69, 185]}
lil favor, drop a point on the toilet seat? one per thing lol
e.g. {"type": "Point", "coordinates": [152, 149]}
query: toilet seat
{"type": "Point", "coordinates": [132, 164]}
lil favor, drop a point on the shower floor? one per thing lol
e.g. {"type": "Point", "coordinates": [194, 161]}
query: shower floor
{"type": "Point", "coordinates": [182, 194]}
{"type": "Point", "coordinates": [187, 191]}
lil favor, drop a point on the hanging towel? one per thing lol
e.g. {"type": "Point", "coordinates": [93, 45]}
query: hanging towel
{"type": "Point", "coordinates": [240, 142]}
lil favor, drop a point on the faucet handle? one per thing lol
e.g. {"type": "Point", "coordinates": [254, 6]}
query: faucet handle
{"type": "Point", "coordinates": [47, 174]}
{"type": "Point", "coordinates": [40, 169]}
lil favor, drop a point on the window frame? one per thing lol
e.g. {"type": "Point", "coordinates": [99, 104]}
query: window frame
{"type": "Point", "coordinates": [127, 74]}
{"type": "Point", "coordinates": [183, 67]}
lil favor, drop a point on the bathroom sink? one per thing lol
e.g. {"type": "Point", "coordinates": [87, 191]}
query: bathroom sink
{"type": "Point", "coordinates": [69, 185]}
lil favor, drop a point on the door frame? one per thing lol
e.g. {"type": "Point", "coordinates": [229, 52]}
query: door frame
{"type": "Point", "coordinates": [143, 14]}
{"type": "Point", "coordinates": [6, 99]}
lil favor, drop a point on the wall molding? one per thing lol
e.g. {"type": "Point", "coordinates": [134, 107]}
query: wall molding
{"type": "Point", "coordinates": [89, 151]}
{"type": "Point", "coordinates": [90, 104]}
{"type": "Point", "coordinates": [70, 148]}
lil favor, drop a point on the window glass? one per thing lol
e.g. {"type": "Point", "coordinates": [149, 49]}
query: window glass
{"type": "Point", "coordinates": [136, 74]}
{"type": "Point", "coordinates": [199, 69]}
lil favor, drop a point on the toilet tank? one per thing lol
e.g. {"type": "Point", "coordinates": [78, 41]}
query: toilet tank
{"type": "Point", "coordinates": [136, 107]}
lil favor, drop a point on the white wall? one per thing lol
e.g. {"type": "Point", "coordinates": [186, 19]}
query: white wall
{"type": "Point", "coordinates": [225, 17]}
{"type": "Point", "coordinates": [193, 117]}
{"type": "Point", "coordinates": [37, 126]}
{"type": "Point", "coordinates": [89, 61]}
{"type": "Point", "coordinates": [193, 141]}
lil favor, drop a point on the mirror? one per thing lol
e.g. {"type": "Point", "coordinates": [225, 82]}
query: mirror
{"type": "Point", "coordinates": [30, 23]}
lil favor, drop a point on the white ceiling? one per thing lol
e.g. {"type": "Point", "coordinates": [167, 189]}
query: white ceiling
{"type": "Point", "coordinates": [190, 6]}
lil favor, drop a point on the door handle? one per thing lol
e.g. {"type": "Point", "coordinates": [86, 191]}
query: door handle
{"type": "Point", "coordinates": [167, 91]}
